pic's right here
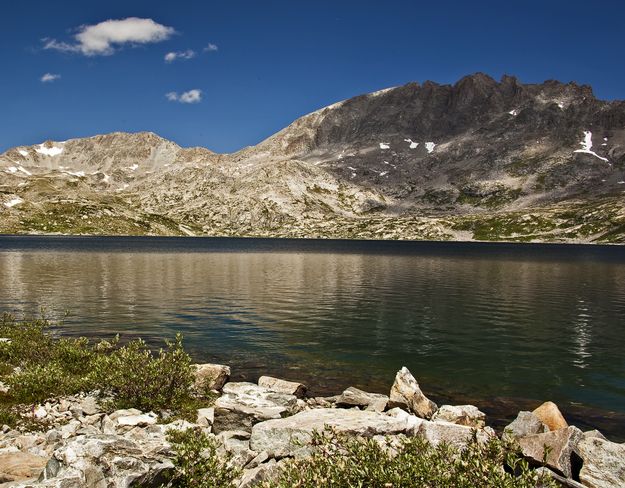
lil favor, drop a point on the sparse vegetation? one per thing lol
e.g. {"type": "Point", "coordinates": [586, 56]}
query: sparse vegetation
{"type": "Point", "coordinates": [198, 464]}
{"type": "Point", "coordinates": [342, 461]}
{"type": "Point", "coordinates": [36, 366]}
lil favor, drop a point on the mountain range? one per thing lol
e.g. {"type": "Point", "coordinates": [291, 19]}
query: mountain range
{"type": "Point", "coordinates": [478, 160]}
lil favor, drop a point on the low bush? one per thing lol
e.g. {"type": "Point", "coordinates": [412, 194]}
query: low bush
{"type": "Point", "coordinates": [136, 378]}
{"type": "Point", "coordinates": [38, 366]}
{"type": "Point", "coordinates": [341, 461]}
{"type": "Point", "coordinates": [198, 463]}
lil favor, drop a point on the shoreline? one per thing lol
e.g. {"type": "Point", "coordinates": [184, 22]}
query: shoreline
{"type": "Point", "coordinates": [574, 243]}
{"type": "Point", "coordinates": [120, 415]}
{"type": "Point", "coordinates": [329, 241]}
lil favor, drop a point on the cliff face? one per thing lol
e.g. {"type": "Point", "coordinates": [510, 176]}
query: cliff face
{"type": "Point", "coordinates": [477, 160]}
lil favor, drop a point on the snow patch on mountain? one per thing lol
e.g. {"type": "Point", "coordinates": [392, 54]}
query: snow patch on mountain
{"type": "Point", "coordinates": [586, 144]}
{"type": "Point", "coordinates": [13, 202]}
{"type": "Point", "coordinates": [49, 151]}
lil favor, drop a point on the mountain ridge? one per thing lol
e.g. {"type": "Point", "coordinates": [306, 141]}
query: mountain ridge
{"type": "Point", "coordinates": [534, 162]}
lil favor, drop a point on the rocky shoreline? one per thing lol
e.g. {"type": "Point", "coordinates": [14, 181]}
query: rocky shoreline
{"type": "Point", "coordinates": [260, 426]}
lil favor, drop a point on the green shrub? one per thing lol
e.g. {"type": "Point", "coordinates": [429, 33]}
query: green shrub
{"type": "Point", "coordinates": [341, 461]}
{"type": "Point", "coordinates": [197, 462]}
{"type": "Point", "coordinates": [37, 366]}
{"type": "Point", "coordinates": [136, 378]}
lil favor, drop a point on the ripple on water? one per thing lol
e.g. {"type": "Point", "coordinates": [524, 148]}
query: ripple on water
{"type": "Point", "coordinates": [472, 322]}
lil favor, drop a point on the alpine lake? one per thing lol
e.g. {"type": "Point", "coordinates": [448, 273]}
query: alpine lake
{"type": "Point", "coordinates": [501, 326]}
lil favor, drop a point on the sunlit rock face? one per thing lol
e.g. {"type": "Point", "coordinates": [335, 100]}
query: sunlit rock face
{"type": "Point", "coordinates": [397, 163]}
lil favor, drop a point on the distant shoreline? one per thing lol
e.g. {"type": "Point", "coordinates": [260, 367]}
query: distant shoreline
{"type": "Point", "coordinates": [390, 242]}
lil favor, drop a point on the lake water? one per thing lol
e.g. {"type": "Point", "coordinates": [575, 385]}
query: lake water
{"type": "Point", "coordinates": [502, 326]}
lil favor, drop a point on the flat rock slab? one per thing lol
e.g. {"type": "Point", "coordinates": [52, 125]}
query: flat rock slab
{"type": "Point", "coordinates": [244, 404]}
{"type": "Point", "coordinates": [289, 436]}
{"type": "Point", "coordinates": [467, 415]}
{"type": "Point", "coordinates": [17, 466]}
{"type": "Point", "coordinates": [455, 435]}
{"type": "Point", "coordinates": [604, 462]}
{"type": "Point", "coordinates": [282, 386]}
{"type": "Point", "coordinates": [353, 397]}
{"type": "Point", "coordinates": [562, 446]}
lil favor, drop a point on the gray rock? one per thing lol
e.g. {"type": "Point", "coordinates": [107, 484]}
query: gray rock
{"type": "Point", "coordinates": [412, 422]}
{"type": "Point", "coordinates": [467, 415]}
{"type": "Point", "coordinates": [526, 423]}
{"type": "Point", "coordinates": [604, 463]}
{"type": "Point", "coordinates": [260, 458]}
{"type": "Point", "coordinates": [405, 393]}
{"type": "Point", "coordinates": [594, 433]}
{"type": "Point", "coordinates": [244, 404]}
{"type": "Point", "coordinates": [134, 420]}
{"type": "Point", "coordinates": [105, 461]}
{"type": "Point", "coordinates": [289, 436]}
{"type": "Point", "coordinates": [124, 413]}
{"type": "Point", "coordinates": [205, 416]}
{"type": "Point", "coordinates": [353, 397]}
{"type": "Point", "coordinates": [456, 435]}
{"type": "Point", "coordinates": [89, 405]}
{"type": "Point", "coordinates": [282, 386]}
{"type": "Point", "coordinates": [237, 444]}
{"type": "Point", "coordinates": [561, 445]}
{"type": "Point", "coordinates": [211, 376]}
{"type": "Point", "coordinates": [264, 472]}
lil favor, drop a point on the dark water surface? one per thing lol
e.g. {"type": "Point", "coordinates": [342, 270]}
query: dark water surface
{"type": "Point", "coordinates": [503, 326]}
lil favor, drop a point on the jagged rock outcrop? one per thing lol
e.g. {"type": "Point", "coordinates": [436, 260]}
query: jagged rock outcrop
{"type": "Point", "coordinates": [480, 159]}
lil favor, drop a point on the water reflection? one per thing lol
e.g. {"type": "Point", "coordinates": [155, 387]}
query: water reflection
{"type": "Point", "coordinates": [478, 324]}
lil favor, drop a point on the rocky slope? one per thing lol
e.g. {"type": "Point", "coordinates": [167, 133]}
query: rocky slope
{"type": "Point", "coordinates": [261, 428]}
{"type": "Point", "coordinates": [479, 160]}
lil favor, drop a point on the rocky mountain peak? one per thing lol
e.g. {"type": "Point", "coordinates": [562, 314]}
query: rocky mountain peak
{"type": "Point", "coordinates": [475, 149]}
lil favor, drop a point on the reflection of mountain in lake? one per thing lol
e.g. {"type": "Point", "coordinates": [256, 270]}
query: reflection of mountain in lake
{"type": "Point", "coordinates": [468, 321]}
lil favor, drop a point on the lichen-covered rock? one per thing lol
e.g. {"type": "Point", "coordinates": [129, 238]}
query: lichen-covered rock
{"type": "Point", "coordinates": [526, 423]}
{"type": "Point", "coordinates": [244, 404]}
{"type": "Point", "coordinates": [561, 444]}
{"type": "Point", "coordinates": [211, 376]}
{"type": "Point", "coordinates": [467, 415]}
{"type": "Point", "coordinates": [108, 461]}
{"type": "Point", "coordinates": [282, 386]}
{"type": "Point", "coordinates": [603, 463]}
{"type": "Point", "coordinates": [353, 397]}
{"type": "Point", "coordinates": [267, 471]}
{"type": "Point", "coordinates": [289, 436]}
{"type": "Point", "coordinates": [549, 414]}
{"type": "Point", "coordinates": [456, 435]}
{"type": "Point", "coordinates": [237, 444]}
{"type": "Point", "coordinates": [406, 393]}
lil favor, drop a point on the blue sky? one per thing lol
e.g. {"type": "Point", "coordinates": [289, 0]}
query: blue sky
{"type": "Point", "coordinates": [273, 61]}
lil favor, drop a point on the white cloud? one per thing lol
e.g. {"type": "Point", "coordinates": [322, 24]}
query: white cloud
{"type": "Point", "coordinates": [103, 38]}
{"type": "Point", "coordinates": [49, 77]}
{"type": "Point", "coordinates": [191, 96]}
{"type": "Point", "coordinates": [211, 47]}
{"type": "Point", "coordinates": [172, 56]}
